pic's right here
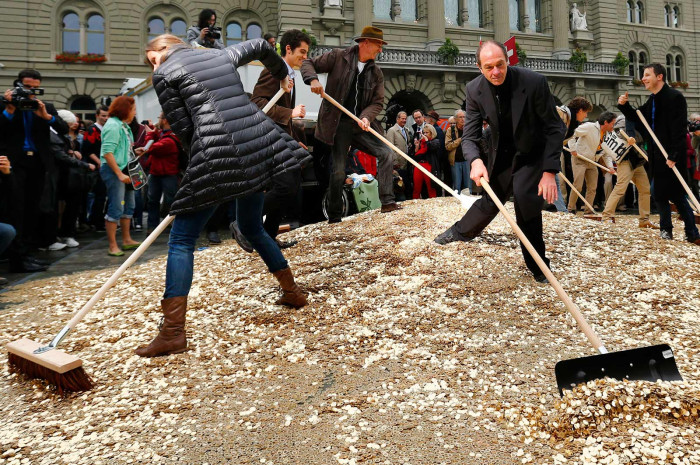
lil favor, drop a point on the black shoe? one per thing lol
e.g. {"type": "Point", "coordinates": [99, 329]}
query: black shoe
{"type": "Point", "coordinates": [38, 261]}
{"type": "Point", "coordinates": [286, 245]}
{"type": "Point", "coordinates": [447, 237]}
{"type": "Point", "coordinates": [213, 237]}
{"type": "Point", "coordinates": [240, 238]}
{"type": "Point", "coordinates": [541, 278]}
{"type": "Point", "coordinates": [3, 282]}
{"type": "Point", "coordinates": [334, 220]}
{"type": "Point", "coordinates": [26, 266]}
{"type": "Point", "coordinates": [666, 234]}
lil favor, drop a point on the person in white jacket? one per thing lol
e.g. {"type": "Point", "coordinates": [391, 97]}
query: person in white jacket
{"type": "Point", "coordinates": [587, 142]}
{"type": "Point", "coordinates": [630, 168]}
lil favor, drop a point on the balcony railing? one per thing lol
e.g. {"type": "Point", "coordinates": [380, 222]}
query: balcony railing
{"type": "Point", "coordinates": [395, 57]}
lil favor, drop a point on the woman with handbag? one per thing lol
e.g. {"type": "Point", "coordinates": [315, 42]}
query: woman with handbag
{"type": "Point", "coordinates": [114, 156]}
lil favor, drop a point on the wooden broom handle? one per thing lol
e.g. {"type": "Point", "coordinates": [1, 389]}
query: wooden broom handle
{"type": "Point", "coordinates": [692, 198]}
{"type": "Point", "coordinates": [570, 305]}
{"type": "Point", "coordinates": [641, 152]}
{"type": "Point", "coordinates": [392, 146]}
{"type": "Point", "coordinates": [590, 207]}
{"type": "Point", "coordinates": [587, 159]}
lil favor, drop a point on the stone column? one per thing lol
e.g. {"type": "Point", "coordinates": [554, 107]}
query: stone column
{"type": "Point", "coordinates": [364, 13]}
{"type": "Point", "coordinates": [525, 17]}
{"type": "Point", "coordinates": [501, 20]}
{"type": "Point", "coordinates": [83, 38]}
{"type": "Point", "coordinates": [436, 25]}
{"type": "Point", "coordinates": [560, 30]}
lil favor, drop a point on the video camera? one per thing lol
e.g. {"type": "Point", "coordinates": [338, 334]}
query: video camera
{"type": "Point", "coordinates": [693, 125]}
{"type": "Point", "coordinates": [21, 98]}
{"type": "Point", "coordinates": [213, 32]}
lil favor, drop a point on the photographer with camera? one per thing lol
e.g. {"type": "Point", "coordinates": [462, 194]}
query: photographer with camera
{"type": "Point", "coordinates": [25, 124]}
{"type": "Point", "coordinates": [205, 34]}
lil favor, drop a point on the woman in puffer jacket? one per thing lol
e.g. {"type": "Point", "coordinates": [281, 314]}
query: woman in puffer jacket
{"type": "Point", "coordinates": [234, 151]}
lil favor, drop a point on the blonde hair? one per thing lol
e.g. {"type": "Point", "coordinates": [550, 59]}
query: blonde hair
{"type": "Point", "coordinates": [162, 44]}
{"type": "Point", "coordinates": [429, 128]}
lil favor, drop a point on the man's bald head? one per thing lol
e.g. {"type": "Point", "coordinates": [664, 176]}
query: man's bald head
{"type": "Point", "coordinates": [492, 59]}
{"type": "Point", "coordinates": [490, 44]}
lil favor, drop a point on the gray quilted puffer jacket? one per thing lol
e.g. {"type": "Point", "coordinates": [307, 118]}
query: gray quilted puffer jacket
{"type": "Point", "coordinates": [234, 149]}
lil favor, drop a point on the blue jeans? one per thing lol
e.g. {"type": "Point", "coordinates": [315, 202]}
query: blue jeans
{"type": "Point", "coordinates": [559, 203]}
{"type": "Point", "coordinates": [120, 201]}
{"type": "Point", "coordinates": [7, 233]}
{"type": "Point", "coordinates": [157, 186]}
{"type": "Point", "coordinates": [186, 229]}
{"type": "Point", "coordinates": [460, 176]}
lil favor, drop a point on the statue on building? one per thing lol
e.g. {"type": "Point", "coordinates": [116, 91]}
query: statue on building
{"type": "Point", "coordinates": [578, 19]}
{"type": "Point", "coordinates": [396, 9]}
{"type": "Point", "coordinates": [410, 83]}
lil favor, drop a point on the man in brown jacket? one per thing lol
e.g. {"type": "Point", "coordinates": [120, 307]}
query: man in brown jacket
{"type": "Point", "coordinates": [355, 81]}
{"type": "Point", "coordinates": [294, 47]}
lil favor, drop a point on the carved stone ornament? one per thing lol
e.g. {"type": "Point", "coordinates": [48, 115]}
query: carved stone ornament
{"type": "Point", "coordinates": [410, 82]}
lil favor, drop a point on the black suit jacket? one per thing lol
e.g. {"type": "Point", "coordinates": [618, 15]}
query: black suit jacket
{"type": "Point", "coordinates": [670, 126]}
{"type": "Point", "coordinates": [12, 135]}
{"type": "Point", "coordinates": [538, 132]}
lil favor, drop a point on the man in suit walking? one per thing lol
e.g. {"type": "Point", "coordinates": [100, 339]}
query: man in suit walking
{"type": "Point", "coordinates": [294, 47]}
{"type": "Point", "coordinates": [401, 136]}
{"type": "Point", "coordinates": [526, 136]}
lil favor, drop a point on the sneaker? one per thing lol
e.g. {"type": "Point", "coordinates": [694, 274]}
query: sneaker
{"type": "Point", "coordinates": [666, 234]}
{"type": "Point", "coordinates": [55, 246]}
{"type": "Point", "coordinates": [648, 224]}
{"type": "Point", "coordinates": [70, 242]}
{"type": "Point", "coordinates": [138, 227]}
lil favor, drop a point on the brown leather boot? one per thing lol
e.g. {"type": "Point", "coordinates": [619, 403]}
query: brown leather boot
{"type": "Point", "coordinates": [172, 338]}
{"type": "Point", "coordinates": [292, 295]}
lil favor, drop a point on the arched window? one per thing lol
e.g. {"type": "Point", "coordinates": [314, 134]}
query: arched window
{"type": "Point", "coordinates": [452, 13]}
{"type": "Point", "coordinates": [678, 68]}
{"type": "Point", "coordinates": [253, 31]}
{"type": "Point", "coordinates": [96, 34]}
{"type": "Point", "coordinates": [638, 57]}
{"type": "Point", "coordinates": [234, 33]}
{"type": "Point", "coordinates": [633, 63]}
{"type": "Point", "coordinates": [668, 16]}
{"type": "Point", "coordinates": [640, 12]}
{"type": "Point", "coordinates": [674, 66]}
{"type": "Point", "coordinates": [83, 106]}
{"type": "Point", "coordinates": [475, 13]}
{"type": "Point", "coordinates": [630, 11]}
{"type": "Point", "coordinates": [178, 28]}
{"type": "Point", "coordinates": [514, 14]}
{"type": "Point", "coordinates": [642, 63]}
{"type": "Point", "coordinates": [669, 68]}
{"type": "Point", "coordinates": [71, 33]}
{"type": "Point", "coordinates": [156, 27]}
{"type": "Point", "coordinates": [82, 29]}
{"type": "Point", "coordinates": [676, 16]}
{"type": "Point", "coordinates": [382, 9]}
{"type": "Point", "coordinates": [534, 12]}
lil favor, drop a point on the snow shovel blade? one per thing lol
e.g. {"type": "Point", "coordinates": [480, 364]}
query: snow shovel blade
{"type": "Point", "coordinates": [645, 363]}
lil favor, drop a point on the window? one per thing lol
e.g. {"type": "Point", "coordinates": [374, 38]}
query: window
{"type": "Point", "coordinates": [382, 9]}
{"type": "Point", "coordinates": [676, 16]}
{"type": "Point", "coordinates": [678, 68]}
{"type": "Point", "coordinates": [253, 31]}
{"type": "Point", "coordinates": [534, 11]}
{"type": "Point", "coordinates": [156, 27]}
{"type": "Point", "coordinates": [242, 25]}
{"type": "Point", "coordinates": [82, 31]}
{"type": "Point", "coordinates": [640, 12]}
{"type": "Point", "coordinates": [674, 66]}
{"type": "Point", "coordinates": [452, 13]}
{"type": "Point", "coordinates": [165, 19]}
{"type": "Point", "coordinates": [514, 14]}
{"type": "Point", "coordinates": [84, 107]}
{"type": "Point", "coordinates": [630, 11]}
{"type": "Point", "coordinates": [668, 15]}
{"type": "Point", "coordinates": [633, 63]}
{"type": "Point", "coordinates": [638, 60]}
{"type": "Point", "coordinates": [409, 11]}
{"type": "Point", "coordinates": [234, 33]}
{"type": "Point", "coordinates": [642, 63]}
{"type": "Point", "coordinates": [475, 11]}
{"type": "Point", "coordinates": [669, 68]}
{"type": "Point", "coordinates": [179, 28]}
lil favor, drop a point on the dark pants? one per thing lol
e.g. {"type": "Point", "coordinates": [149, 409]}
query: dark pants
{"type": "Point", "coordinates": [349, 133]}
{"type": "Point", "coordinates": [521, 182]}
{"type": "Point", "coordinates": [97, 209]}
{"type": "Point", "coordinates": [280, 199]}
{"type": "Point", "coordinates": [70, 213]}
{"type": "Point", "coordinates": [218, 219]}
{"type": "Point", "coordinates": [668, 188]}
{"type": "Point", "coordinates": [165, 186]}
{"type": "Point", "coordinates": [27, 186]}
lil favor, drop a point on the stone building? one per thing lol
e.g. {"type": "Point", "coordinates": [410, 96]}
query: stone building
{"type": "Point", "coordinates": [50, 35]}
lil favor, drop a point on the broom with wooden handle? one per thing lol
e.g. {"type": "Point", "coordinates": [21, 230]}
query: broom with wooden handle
{"type": "Point", "coordinates": [57, 367]}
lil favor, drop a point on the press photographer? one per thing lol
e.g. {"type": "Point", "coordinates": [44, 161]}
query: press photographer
{"type": "Point", "coordinates": [205, 34]}
{"type": "Point", "coordinates": [25, 124]}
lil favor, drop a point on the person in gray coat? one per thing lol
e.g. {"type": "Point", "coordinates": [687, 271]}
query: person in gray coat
{"type": "Point", "coordinates": [205, 34]}
{"type": "Point", "coordinates": [234, 150]}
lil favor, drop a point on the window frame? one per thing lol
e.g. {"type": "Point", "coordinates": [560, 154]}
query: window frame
{"type": "Point", "coordinates": [244, 18]}
{"type": "Point", "coordinates": [638, 55]}
{"type": "Point", "coordinates": [84, 14]}
{"type": "Point", "coordinates": [675, 71]}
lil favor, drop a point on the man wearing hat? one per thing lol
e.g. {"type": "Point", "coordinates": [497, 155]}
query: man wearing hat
{"type": "Point", "coordinates": [354, 80]}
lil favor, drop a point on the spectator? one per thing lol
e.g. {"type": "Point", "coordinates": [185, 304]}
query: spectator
{"type": "Point", "coordinates": [91, 149]}
{"type": "Point", "coordinates": [427, 156]}
{"type": "Point", "coordinates": [455, 157]}
{"type": "Point", "coordinates": [666, 113]}
{"type": "Point", "coordinates": [24, 139]}
{"type": "Point", "coordinates": [162, 161]}
{"type": "Point", "coordinates": [114, 155]}
{"type": "Point", "coordinates": [205, 34]}
{"type": "Point", "coordinates": [72, 178]}
{"type": "Point", "coordinates": [402, 137]}
{"type": "Point", "coordinates": [417, 127]}
{"type": "Point", "coordinates": [7, 232]}
{"type": "Point", "coordinates": [443, 168]}
{"type": "Point", "coordinates": [273, 42]}
{"type": "Point", "coordinates": [572, 115]}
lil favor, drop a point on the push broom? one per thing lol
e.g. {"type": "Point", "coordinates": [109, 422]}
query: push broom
{"type": "Point", "coordinates": [57, 367]}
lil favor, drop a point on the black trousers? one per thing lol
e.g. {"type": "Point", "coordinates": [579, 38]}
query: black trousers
{"type": "Point", "coordinates": [27, 186]}
{"type": "Point", "coordinates": [520, 180]}
{"type": "Point", "coordinates": [280, 199]}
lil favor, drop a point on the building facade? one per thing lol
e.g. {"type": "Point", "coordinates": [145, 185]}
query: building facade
{"type": "Point", "coordinates": [85, 49]}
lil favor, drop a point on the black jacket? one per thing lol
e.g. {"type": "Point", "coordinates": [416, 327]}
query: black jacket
{"type": "Point", "coordinates": [12, 135]}
{"type": "Point", "coordinates": [234, 148]}
{"type": "Point", "coordinates": [538, 132]}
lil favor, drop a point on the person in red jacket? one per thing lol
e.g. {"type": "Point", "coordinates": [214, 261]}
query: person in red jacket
{"type": "Point", "coordinates": [163, 166]}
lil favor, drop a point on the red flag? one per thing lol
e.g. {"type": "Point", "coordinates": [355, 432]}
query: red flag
{"type": "Point", "coordinates": [510, 49]}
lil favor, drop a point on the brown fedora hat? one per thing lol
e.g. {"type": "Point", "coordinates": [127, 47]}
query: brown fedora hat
{"type": "Point", "coordinates": [371, 33]}
{"type": "Point", "coordinates": [433, 114]}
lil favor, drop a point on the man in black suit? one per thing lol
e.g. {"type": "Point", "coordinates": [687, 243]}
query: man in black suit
{"type": "Point", "coordinates": [526, 136]}
{"type": "Point", "coordinates": [24, 138]}
{"type": "Point", "coordinates": [666, 112]}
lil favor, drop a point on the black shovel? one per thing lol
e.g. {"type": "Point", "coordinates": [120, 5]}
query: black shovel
{"type": "Point", "coordinates": [645, 363]}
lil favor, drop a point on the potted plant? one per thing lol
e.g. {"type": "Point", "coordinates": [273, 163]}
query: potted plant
{"type": "Point", "coordinates": [314, 42]}
{"type": "Point", "coordinates": [684, 84]}
{"type": "Point", "coordinates": [621, 63]}
{"type": "Point", "coordinates": [93, 58]}
{"type": "Point", "coordinates": [448, 52]}
{"type": "Point", "coordinates": [522, 55]}
{"type": "Point", "coordinates": [578, 59]}
{"type": "Point", "coordinates": [674, 84]}
{"type": "Point", "coordinates": [68, 57]}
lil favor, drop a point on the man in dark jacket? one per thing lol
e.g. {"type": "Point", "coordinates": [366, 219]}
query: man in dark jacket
{"type": "Point", "coordinates": [527, 136]}
{"type": "Point", "coordinates": [24, 138]}
{"type": "Point", "coordinates": [294, 47]}
{"type": "Point", "coordinates": [665, 111]}
{"type": "Point", "coordinates": [355, 81]}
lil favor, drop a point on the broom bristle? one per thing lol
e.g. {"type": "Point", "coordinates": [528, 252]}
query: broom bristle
{"type": "Point", "coordinates": [75, 380]}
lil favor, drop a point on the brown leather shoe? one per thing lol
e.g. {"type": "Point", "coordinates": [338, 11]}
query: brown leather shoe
{"type": "Point", "coordinates": [172, 338]}
{"type": "Point", "coordinates": [648, 224]}
{"type": "Point", "coordinates": [390, 207]}
{"type": "Point", "coordinates": [292, 295]}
